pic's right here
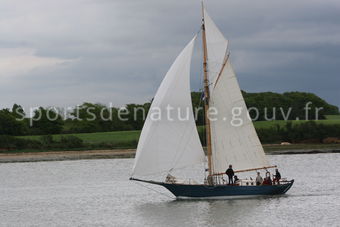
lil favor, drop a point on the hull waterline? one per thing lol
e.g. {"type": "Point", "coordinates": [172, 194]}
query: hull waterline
{"type": "Point", "coordinates": [186, 191]}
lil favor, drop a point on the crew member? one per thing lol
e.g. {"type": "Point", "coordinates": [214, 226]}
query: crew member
{"type": "Point", "coordinates": [277, 176]}
{"type": "Point", "coordinates": [230, 174]}
{"type": "Point", "coordinates": [259, 179]}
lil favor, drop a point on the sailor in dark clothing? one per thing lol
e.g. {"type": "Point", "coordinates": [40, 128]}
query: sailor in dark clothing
{"type": "Point", "coordinates": [277, 176]}
{"type": "Point", "coordinates": [236, 180]}
{"type": "Point", "coordinates": [230, 174]}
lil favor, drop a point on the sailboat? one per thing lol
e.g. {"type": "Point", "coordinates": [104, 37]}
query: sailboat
{"type": "Point", "coordinates": [172, 145]}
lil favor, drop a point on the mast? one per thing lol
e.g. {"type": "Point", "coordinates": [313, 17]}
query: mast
{"type": "Point", "coordinates": [207, 96]}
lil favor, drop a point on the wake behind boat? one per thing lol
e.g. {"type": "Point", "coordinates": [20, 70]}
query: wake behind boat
{"type": "Point", "coordinates": [168, 146]}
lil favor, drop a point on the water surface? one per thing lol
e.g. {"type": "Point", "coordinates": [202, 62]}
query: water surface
{"type": "Point", "coordinates": [98, 193]}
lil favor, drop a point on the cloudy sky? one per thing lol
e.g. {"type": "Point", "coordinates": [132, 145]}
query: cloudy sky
{"type": "Point", "coordinates": [62, 53]}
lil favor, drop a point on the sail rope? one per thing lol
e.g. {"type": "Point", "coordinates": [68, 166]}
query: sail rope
{"type": "Point", "coordinates": [201, 77]}
{"type": "Point", "coordinates": [143, 185]}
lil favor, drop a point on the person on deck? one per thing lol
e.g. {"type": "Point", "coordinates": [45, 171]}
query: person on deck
{"type": "Point", "coordinates": [230, 173]}
{"type": "Point", "coordinates": [236, 180]}
{"type": "Point", "coordinates": [277, 176]}
{"type": "Point", "coordinates": [259, 179]}
{"type": "Point", "coordinates": [267, 180]}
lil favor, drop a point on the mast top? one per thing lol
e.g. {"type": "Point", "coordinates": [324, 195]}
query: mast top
{"type": "Point", "coordinates": [202, 4]}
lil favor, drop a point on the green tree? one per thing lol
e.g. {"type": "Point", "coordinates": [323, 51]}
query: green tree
{"type": "Point", "coordinates": [46, 121]}
{"type": "Point", "coordinates": [9, 125]}
{"type": "Point", "coordinates": [198, 107]}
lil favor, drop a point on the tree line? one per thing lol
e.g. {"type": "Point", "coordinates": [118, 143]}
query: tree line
{"type": "Point", "coordinates": [91, 117]}
{"type": "Point", "coordinates": [306, 133]}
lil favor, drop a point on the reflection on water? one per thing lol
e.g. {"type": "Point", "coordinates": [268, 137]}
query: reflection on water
{"type": "Point", "coordinates": [203, 212]}
{"type": "Point", "coordinates": [97, 192]}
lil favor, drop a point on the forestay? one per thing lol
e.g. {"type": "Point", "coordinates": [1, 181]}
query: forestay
{"type": "Point", "coordinates": [168, 142]}
{"type": "Point", "coordinates": [233, 141]}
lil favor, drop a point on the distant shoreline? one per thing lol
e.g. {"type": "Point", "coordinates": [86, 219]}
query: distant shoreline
{"type": "Point", "coordinates": [116, 153]}
{"type": "Point", "coordinates": [65, 155]}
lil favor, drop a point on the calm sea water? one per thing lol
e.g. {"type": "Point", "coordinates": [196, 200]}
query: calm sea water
{"type": "Point", "coordinates": [97, 193]}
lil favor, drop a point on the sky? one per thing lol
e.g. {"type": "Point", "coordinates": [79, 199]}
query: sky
{"type": "Point", "coordinates": [63, 53]}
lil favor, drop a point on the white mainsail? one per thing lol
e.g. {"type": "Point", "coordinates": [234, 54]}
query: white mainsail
{"type": "Point", "coordinates": [170, 143]}
{"type": "Point", "coordinates": [233, 142]}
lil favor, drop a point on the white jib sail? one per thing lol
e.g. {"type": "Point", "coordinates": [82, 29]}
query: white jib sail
{"type": "Point", "coordinates": [168, 142]}
{"type": "Point", "coordinates": [234, 141]}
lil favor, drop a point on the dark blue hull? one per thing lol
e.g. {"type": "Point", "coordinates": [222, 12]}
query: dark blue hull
{"type": "Point", "coordinates": [205, 191]}
{"type": "Point", "coordinates": [199, 191]}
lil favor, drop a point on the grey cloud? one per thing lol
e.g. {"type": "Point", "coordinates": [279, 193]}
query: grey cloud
{"type": "Point", "coordinates": [118, 51]}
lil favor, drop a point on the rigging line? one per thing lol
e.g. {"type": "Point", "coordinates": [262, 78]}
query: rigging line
{"type": "Point", "coordinates": [226, 58]}
{"type": "Point", "coordinates": [141, 184]}
{"type": "Point", "coordinates": [201, 89]}
{"type": "Point", "coordinates": [201, 77]}
{"type": "Point", "coordinates": [199, 30]}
